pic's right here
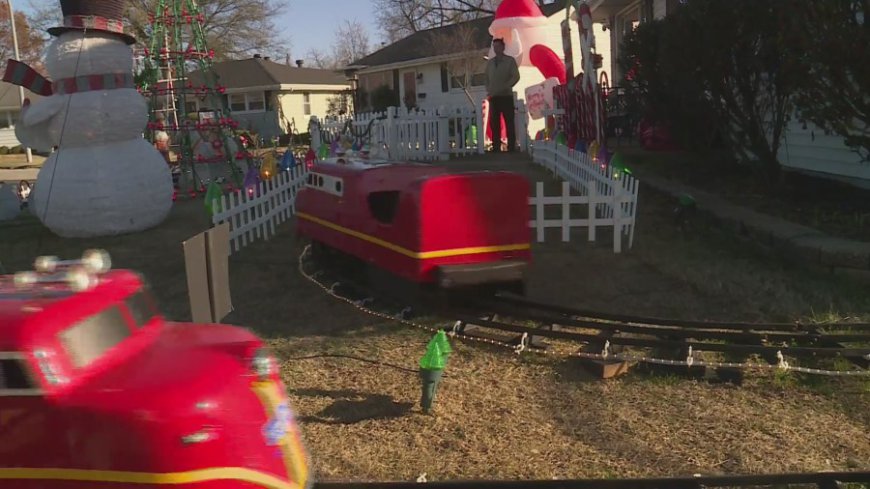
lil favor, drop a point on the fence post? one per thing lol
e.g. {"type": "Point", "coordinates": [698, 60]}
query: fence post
{"type": "Point", "coordinates": [313, 128]}
{"type": "Point", "coordinates": [593, 200]}
{"type": "Point", "coordinates": [443, 134]}
{"type": "Point", "coordinates": [566, 212]}
{"type": "Point", "coordinates": [481, 130]}
{"type": "Point", "coordinates": [539, 211]}
{"type": "Point", "coordinates": [390, 132]}
{"type": "Point", "coordinates": [616, 205]}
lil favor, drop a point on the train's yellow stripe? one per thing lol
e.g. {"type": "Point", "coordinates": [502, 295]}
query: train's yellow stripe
{"type": "Point", "coordinates": [259, 479]}
{"type": "Point", "coordinates": [419, 255]}
{"type": "Point", "coordinates": [292, 448]}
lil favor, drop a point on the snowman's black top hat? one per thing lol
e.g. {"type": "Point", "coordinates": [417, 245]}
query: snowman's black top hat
{"type": "Point", "coordinates": [93, 15]}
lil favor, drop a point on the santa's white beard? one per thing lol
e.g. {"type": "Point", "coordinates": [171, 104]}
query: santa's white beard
{"type": "Point", "coordinates": [103, 190]}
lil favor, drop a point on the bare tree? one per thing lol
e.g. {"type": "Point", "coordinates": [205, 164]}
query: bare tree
{"type": "Point", "coordinates": [233, 28]}
{"type": "Point", "coordinates": [350, 43]}
{"type": "Point", "coordinates": [318, 58]}
{"type": "Point", "coordinates": [30, 39]}
{"type": "Point", "coordinates": [401, 18]}
{"type": "Point", "coordinates": [462, 58]}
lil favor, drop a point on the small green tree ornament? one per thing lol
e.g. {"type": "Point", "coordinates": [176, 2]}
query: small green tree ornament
{"type": "Point", "coordinates": [443, 343]}
{"type": "Point", "coordinates": [212, 198]}
{"type": "Point", "coordinates": [431, 368]}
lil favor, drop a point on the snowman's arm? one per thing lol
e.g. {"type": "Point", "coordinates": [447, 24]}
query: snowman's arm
{"type": "Point", "coordinates": [44, 110]}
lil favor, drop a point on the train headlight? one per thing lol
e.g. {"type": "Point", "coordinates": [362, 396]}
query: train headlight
{"type": "Point", "coordinates": [97, 261]}
{"type": "Point", "coordinates": [263, 364]}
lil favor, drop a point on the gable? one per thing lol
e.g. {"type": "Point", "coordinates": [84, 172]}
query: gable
{"type": "Point", "coordinates": [424, 44]}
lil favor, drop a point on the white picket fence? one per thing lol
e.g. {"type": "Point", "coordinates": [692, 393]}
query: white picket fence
{"type": "Point", "coordinates": [419, 134]}
{"type": "Point", "coordinates": [255, 213]}
{"type": "Point", "coordinates": [609, 194]}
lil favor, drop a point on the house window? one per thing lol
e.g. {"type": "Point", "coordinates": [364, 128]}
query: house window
{"type": "Point", "coordinates": [256, 101]}
{"type": "Point", "coordinates": [5, 120]}
{"type": "Point", "coordinates": [247, 102]}
{"type": "Point", "coordinates": [468, 81]}
{"type": "Point", "coordinates": [306, 103]}
{"type": "Point", "coordinates": [237, 102]}
{"type": "Point", "coordinates": [478, 79]}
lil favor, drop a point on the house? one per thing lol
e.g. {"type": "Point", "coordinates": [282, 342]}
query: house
{"type": "Point", "coordinates": [620, 17]}
{"type": "Point", "coordinates": [10, 108]}
{"type": "Point", "coordinates": [445, 66]}
{"type": "Point", "coordinates": [805, 147]}
{"type": "Point", "coordinates": [266, 97]}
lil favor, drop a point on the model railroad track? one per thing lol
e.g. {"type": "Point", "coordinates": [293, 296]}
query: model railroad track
{"type": "Point", "coordinates": [507, 319]}
{"type": "Point", "coordinates": [610, 344]}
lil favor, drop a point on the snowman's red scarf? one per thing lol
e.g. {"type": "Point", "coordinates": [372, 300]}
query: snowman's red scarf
{"type": "Point", "coordinates": [20, 74]}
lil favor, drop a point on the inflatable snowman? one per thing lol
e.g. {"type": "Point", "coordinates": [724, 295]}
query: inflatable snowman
{"type": "Point", "coordinates": [105, 178]}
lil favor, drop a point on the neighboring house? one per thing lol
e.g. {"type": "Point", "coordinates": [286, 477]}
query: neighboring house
{"type": "Point", "coordinates": [433, 68]}
{"type": "Point", "coordinates": [805, 148]}
{"type": "Point", "coordinates": [265, 96]}
{"type": "Point", "coordinates": [10, 108]}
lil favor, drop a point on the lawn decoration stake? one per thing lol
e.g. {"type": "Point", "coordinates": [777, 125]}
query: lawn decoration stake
{"type": "Point", "coordinates": [432, 367]}
{"type": "Point", "coordinates": [104, 179]}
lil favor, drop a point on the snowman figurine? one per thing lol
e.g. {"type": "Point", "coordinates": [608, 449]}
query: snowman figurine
{"type": "Point", "coordinates": [104, 178]}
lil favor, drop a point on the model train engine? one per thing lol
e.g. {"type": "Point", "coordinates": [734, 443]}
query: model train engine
{"type": "Point", "coordinates": [420, 223]}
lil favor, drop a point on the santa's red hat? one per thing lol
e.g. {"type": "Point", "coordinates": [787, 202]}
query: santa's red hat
{"type": "Point", "coordinates": [517, 14]}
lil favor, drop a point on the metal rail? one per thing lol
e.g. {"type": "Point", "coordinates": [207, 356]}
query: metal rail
{"type": "Point", "coordinates": [822, 480]}
{"type": "Point", "coordinates": [597, 316]}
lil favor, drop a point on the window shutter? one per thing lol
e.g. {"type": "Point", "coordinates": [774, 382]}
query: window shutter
{"type": "Point", "coordinates": [445, 78]}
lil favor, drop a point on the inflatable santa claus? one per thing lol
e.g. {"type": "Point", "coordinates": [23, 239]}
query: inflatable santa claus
{"type": "Point", "coordinates": [522, 25]}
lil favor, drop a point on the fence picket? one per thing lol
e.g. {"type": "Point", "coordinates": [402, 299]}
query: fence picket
{"type": "Point", "coordinates": [611, 198]}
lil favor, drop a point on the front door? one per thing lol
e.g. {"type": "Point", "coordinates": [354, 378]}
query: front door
{"type": "Point", "coordinates": [410, 84]}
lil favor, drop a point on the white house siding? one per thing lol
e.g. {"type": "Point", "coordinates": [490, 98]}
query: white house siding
{"type": "Point", "coordinates": [811, 150]}
{"type": "Point", "coordinates": [7, 138]}
{"type": "Point", "coordinates": [293, 106]}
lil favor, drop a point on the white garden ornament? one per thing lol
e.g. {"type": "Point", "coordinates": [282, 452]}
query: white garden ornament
{"type": "Point", "coordinates": [105, 178]}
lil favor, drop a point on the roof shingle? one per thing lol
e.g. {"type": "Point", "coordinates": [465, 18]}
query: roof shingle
{"type": "Point", "coordinates": [257, 72]}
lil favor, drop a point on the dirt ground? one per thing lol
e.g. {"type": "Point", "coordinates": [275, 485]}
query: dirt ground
{"type": "Point", "coordinates": [353, 384]}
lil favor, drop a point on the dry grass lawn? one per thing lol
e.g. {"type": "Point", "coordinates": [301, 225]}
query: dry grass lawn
{"type": "Point", "coordinates": [502, 415]}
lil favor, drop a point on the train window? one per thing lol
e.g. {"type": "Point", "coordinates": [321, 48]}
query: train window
{"type": "Point", "coordinates": [13, 375]}
{"type": "Point", "coordinates": [90, 338]}
{"type": "Point", "coordinates": [338, 186]}
{"type": "Point", "coordinates": [142, 307]}
{"type": "Point", "coordinates": [383, 205]}
{"type": "Point", "coordinates": [310, 179]}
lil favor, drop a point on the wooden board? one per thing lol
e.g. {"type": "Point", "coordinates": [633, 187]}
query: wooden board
{"type": "Point", "coordinates": [196, 269]}
{"type": "Point", "coordinates": [218, 251]}
{"type": "Point", "coordinates": [604, 369]}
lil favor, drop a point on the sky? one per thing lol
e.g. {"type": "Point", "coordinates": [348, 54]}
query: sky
{"type": "Point", "coordinates": [312, 23]}
{"type": "Point", "coordinates": [307, 23]}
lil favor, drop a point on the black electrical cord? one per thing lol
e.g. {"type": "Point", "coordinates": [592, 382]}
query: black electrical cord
{"type": "Point", "coordinates": [360, 359]}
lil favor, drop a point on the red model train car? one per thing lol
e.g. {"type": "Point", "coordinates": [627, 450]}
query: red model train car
{"type": "Point", "coordinates": [98, 390]}
{"type": "Point", "coordinates": [421, 223]}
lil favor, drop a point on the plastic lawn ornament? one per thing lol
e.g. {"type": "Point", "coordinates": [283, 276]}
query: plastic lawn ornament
{"type": "Point", "coordinates": [539, 136]}
{"type": "Point", "coordinates": [603, 155]}
{"type": "Point", "coordinates": [561, 139]}
{"type": "Point", "coordinates": [252, 179]}
{"type": "Point", "coordinates": [323, 151]}
{"type": "Point", "coordinates": [580, 146]}
{"type": "Point", "coordinates": [431, 368]}
{"type": "Point", "coordinates": [288, 161]}
{"type": "Point", "coordinates": [334, 148]}
{"type": "Point", "coordinates": [355, 146]}
{"type": "Point", "coordinates": [471, 136]}
{"type": "Point", "coordinates": [618, 166]}
{"type": "Point", "coordinates": [310, 157]}
{"type": "Point", "coordinates": [267, 167]}
{"type": "Point", "coordinates": [212, 198]}
{"type": "Point", "coordinates": [592, 151]}
{"type": "Point", "coordinates": [443, 343]}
